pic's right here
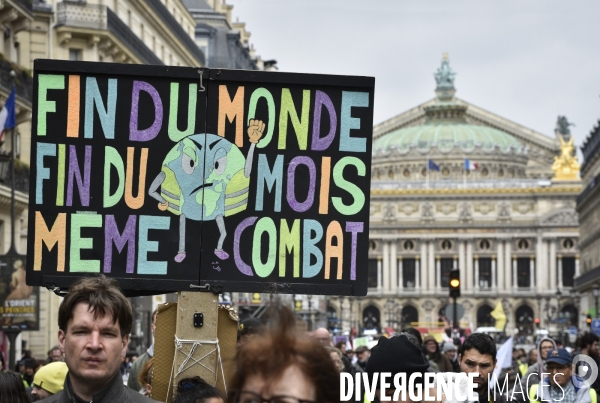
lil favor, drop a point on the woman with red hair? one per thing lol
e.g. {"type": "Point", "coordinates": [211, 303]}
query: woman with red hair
{"type": "Point", "coordinates": [280, 367]}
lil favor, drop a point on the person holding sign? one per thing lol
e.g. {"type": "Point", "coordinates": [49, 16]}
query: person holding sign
{"type": "Point", "coordinates": [188, 191]}
{"type": "Point", "coordinates": [94, 321]}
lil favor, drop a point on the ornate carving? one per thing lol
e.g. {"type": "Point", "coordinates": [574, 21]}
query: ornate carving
{"type": "Point", "coordinates": [428, 305]}
{"type": "Point", "coordinates": [567, 217]}
{"type": "Point", "coordinates": [522, 208]}
{"type": "Point", "coordinates": [427, 213]}
{"type": "Point", "coordinates": [446, 208]}
{"type": "Point", "coordinates": [503, 211]}
{"type": "Point", "coordinates": [409, 208]}
{"type": "Point", "coordinates": [374, 208]}
{"type": "Point", "coordinates": [483, 208]}
{"type": "Point", "coordinates": [562, 128]}
{"type": "Point", "coordinates": [389, 212]}
{"type": "Point", "coordinates": [465, 213]}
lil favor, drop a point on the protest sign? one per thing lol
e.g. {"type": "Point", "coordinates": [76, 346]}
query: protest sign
{"type": "Point", "coordinates": [164, 177]}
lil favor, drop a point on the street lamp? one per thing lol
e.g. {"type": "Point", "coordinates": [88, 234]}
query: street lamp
{"type": "Point", "coordinates": [596, 292]}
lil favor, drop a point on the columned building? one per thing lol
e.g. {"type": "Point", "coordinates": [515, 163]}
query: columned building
{"type": "Point", "coordinates": [588, 206]}
{"type": "Point", "coordinates": [457, 187]}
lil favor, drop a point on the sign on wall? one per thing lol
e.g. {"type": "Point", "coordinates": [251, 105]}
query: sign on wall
{"type": "Point", "coordinates": [19, 302]}
{"type": "Point", "coordinates": [164, 177]}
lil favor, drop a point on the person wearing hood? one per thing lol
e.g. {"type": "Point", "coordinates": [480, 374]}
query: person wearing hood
{"type": "Point", "coordinates": [532, 377]}
{"type": "Point", "coordinates": [449, 350]}
{"type": "Point", "coordinates": [432, 350]}
{"type": "Point", "coordinates": [395, 355]}
{"type": "Point", "coordinates": [560, 385]}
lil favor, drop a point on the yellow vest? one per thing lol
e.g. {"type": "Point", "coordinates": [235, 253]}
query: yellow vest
{"type": "Point", "coordinates": [534, 388]}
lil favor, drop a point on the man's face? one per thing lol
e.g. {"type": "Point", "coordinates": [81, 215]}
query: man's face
{"type": "Point", "coordinates": [559, 374]}
{"type": "Point", "coordinates": [473, 361]}
{"type": "Point", "coordinates": [545, 347]}
{"type": "Point", "coordinates": [363, 356]}
{"type": "Point", "coordinates": [533, 355]}
{"type": "Point", "coordinates": [94, 348]}
{"type": "Point", "coordinates": [431, 346]}
{"type": "Point", "coordinates": [594, 348]}
{"type": "Point", "coordinates": [322, 336]}
{"type": "Point", "coordinates": [56, 356]}
{"type": "Point", "coordinates": [40, 393]}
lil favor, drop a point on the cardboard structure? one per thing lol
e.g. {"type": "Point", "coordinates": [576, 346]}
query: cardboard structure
{"type": "Point", "coordinates": [175, 361]}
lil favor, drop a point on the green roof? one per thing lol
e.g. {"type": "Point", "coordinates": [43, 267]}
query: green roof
{"type": "Point", "coordinates": [444, 134]}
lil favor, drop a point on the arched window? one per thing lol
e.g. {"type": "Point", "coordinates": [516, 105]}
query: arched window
{"type": "Point", "coordinates": [484, 317]}
{"type": "Point", "coordinates": [524, 319]}
{"type": "Point", "coordinates": [371, 318]}
{"type": "Point", "coordinates": [410, 315]}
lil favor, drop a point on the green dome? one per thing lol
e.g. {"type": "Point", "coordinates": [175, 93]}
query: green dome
{"type": "Point", "coordinates": [444, 134]}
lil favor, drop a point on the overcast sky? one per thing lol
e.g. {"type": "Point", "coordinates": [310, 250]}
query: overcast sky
{"type": "Point", "coordinates": [525, 60]}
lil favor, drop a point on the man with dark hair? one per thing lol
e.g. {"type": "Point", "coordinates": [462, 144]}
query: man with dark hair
{"type": "Point", "coordinates": [196, 390]}
{"type": "Point", "coordinates": [138, 364]}
{"type": "Point", "coordinates": [589, 346]}
{"type": "Point", "coordinates": [478, 354]}
{"type": "Point", "coordinates": [341, 345]}
{"type": "Point", "coordinates": [94, 321]}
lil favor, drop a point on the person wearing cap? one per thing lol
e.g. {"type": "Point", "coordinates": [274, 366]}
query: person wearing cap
{"type": "Point", "coordinates": [362, 358]}
{"type": "Point", "coordinates": [397, 355]}
{"type": "Point", "coordinates": [50, 379]}
{"type": "Point", "coordinates": [432, 350]}
{"type": "Point", "coordinates": [449, 350]}
{"type": "Point", "coordinates": [247, 329]}
{"type": "Point", "coordinates": [559, 384]}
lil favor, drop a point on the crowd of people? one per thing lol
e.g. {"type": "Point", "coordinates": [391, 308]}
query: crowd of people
{"type": "Point", "coordinates": [277, 365]}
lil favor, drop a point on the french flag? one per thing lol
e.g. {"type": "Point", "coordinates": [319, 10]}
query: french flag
{"type": "Point", "coordinates": [8, 115]}
{"type": "Point", "coordinates": [470, 165]}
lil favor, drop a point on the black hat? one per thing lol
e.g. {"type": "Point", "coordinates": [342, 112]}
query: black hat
{"type": "Point", "coordinates": [29, 363]}
{"type": "Point", "coordinates": [361, 349]}
{"type": "Point", "coordinates": [250, 326]}
{"type": "Point", "coordinates": [396, 355]}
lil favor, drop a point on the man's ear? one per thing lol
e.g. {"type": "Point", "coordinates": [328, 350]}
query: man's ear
{"type": "Point", "coordinates": [125, 343]}
{"type": "Point", "coordinates": [459, 358]}
{"type": "Point", "coordinates": [61, 340]}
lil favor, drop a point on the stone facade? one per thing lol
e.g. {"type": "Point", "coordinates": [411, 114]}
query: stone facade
{"type": "Point", "coordinates": [508, 226]}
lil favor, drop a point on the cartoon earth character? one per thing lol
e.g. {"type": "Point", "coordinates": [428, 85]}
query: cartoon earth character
{"type": "Point", "coordinates": [205, 177]}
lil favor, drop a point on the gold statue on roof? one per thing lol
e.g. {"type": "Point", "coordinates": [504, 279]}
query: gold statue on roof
{"type": "Point", "coordinates": [565, 166]}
